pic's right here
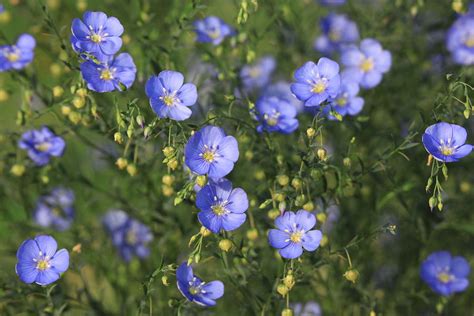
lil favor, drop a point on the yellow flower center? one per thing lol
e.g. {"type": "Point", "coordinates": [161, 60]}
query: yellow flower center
{"type": "Point", "coordinates": [42, 265]}
{"type": "Point", "coordinates": [214, 34]}
{"type": "Point", "coordinates": [168, 100]}
{"type": "Point", "coordinates": [341, 101]}
{"type": "Point", "coordinates": [194, 290]}
{"type": "Point", "coordinates": [444, 277]}
{"type": "Point", "coordinates": [254, 72]}
{"type": "Point", "coordinates": [272, 121]}
{"type": "Point", "coordinates": [296, 236]}
{"type": "Point", "coordinates": [12, 57]}
{"type": "Point", "coordinates": [96, 38]}
{"type": "Point", "coordinates": [334, 36]}
{"type": "Point", "coordinates": [319, 87]}
{"type": "Point", "coordinates": [43, 146]}
{"type": "Point", "coordinates": [470, 41]}
{"type": "Point", "coordinates": [447, 151]}
{"type": "Point", "coordinates": [106, 74]}
{"type": "Point", "coordinates": [131, 237]}
{"type": "Point", "coordinates": [208, 156]}
{"type": "Point", "coordinates": [367, 65]}
{"type": "Point", "coordinates": [218, 210]}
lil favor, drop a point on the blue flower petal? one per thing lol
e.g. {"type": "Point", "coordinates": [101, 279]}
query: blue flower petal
{"type": "Point", "coordinates": [328, 68]}
{"type": "Point", "coordinates": [111, 45]}
{"type": "Point", "coordinates": [171, 80]}
{"type": "Point", "coordinates": [188, 94]}
{"type": "Point", "coordinates": [60, 261]}
{"type": "Point", "coordinates": [311, 240]}
{"type": "Point", "coordinates": [229, 148]}
{"type": "Point", "coordinates": [233, 221]}
{"type": "Point", "coordinates": [292, 251]}
{"type": "Point", "coordinates": [239, 202]}
{"type": "Point", "coordinates": [94, 19]}
{"type": "Point", "coordinates": [113, 27]}
{"type": "Point", "coordinates": [460, 267]}
{"type": "Point", "coordinates": [46, 277]}
{"type": "Point", "coordinates": [47, 245]}
{"type": "Point", "coordinates": [305, 220]}
{"type": "Point", "coordinates": [214, 289]}
{"type": "Point", "coordinates": [278, 239]}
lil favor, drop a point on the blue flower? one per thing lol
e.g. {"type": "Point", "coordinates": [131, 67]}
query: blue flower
{"type": "Point", "coordinates": [114, 74]}
{"type": "Point", "coordinates": [39, 262]}
{"type": "Point", "coordinates": [332, 2]}
{"type": "Point", "coordinates": [294, 233]}
{"type": "Point", "coordinates": [209, 151]}
{"type": "Point", "coordinates": [212, 30]}
{"type": "Point", "coordinates": [222, 208]}
{"type": "Point", "coordinates": [338, 32]}
{"type": "Point", "coordinates": [97, 35]}
{"type": "Point", "coordinates": [282, 90]}
{"type": "Point", "coordinates": [195, 290]}
{"type": "Point", "coordinates": [366, 64]}
{"type": "Point", "coordinates": [316, 83]}
{"type": "Point", "coordinates": [276, 115]}
{"type": "Point", "coordinates": [460, 40]}
{"type": "Point", "coordinates": [257, 75]}
{"type": "Point", "coordinates": [346, 101]}
{"type": "Point", "coordinates": [310, 308]}
{"type": "Point", "coordinates": [445, 274]}
{"type": "Point", "coordinates": [55, 209]}
{"type": "Point", "coordinates": [169, 97]}
{"type": "Point", "coordinates": [41, 145]}
{"type": "Point", "coordinates": [19, 55]}
{"type": "Point", "coordinates": [446, 142]}
{"type": "Point", "coordinates": [129, 236]}
{"type": "Point", "coordinates": [2, 8]}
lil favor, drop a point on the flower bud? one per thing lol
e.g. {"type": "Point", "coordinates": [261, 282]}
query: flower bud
{"type": "Point", "coordinates": [272, 214]}
{"type": "Point", "coordinates": [465, 187]}
{"type": "Point", "coordinates": [132, 170]}
{"type": "Point", "coordinates": [351, 275]}
{"type": "Point", "coordinates": [74, 117]}
{"type": "Point", "coordinates": [77, 248]}
{"type": "Point", "coordinates": [282, 289]}
{"type": "Point", "coordinates": [252, 234]}
{"type": "Point", "coordinates": [287, 312]}
{"type": "Point", "coordinates": [297, 183]}
{"type": "Point", "coordinates": [260, 175]}
{"type": "Point", "coordinates": [204, 231]}
{"type": "Point", "coordinates": [118, 138]}
{"type": "Point", "coordinates": [324, 241]}
{"type": "Point", "coordinates": [82, 92]}
{"type": "Point", "coordinates": [249, 155]}
{"type": "Point", "coordinates": [308, 206]}
{"type": "Point", "coordinates": [225, 245]}
{"type": "Point", "coordinates": [172, 164]}
{"type": "Point", "coordinates": [279, 197]}
{"type": "Point", "coordinates": [289, 281]}
{"type": "Point", "coordinates": [283, 180]}
{"type": "Point", "coordinates": [78, 102]}
{"type": "Point", "coordinates": [167, 190]}
{"type": "Point", "coordinates": [140, 120]}
{"type": "Point", "coordinates": [167, 179]}
{"type": "Point", "coordinates": [58, 91]}
{"type": "Point", "coordinates": [347, 162]}
{"type": "Point", "coordinates": [18, 170]}
{"type": "Point", "coordinates": [168, 151]}
{"type": "Point", "coordinates": [322, 154]}
{"type": "Point", "coordinates": [164, 280]}
{"type": "Point", "coordinates": [310, 132]}
{"type": "Point", "coordinates": [121, 163]}
{"type": "Point", "coordinates": [44, 179]}
{"type": "Point", "coordinates": [321, 217]}
{"type": "Point", "coordinates": [300, 199]}
{"type": "Point", "coordinates": [201, 180]}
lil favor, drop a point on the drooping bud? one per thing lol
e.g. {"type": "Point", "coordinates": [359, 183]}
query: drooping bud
{"type": "Point", "coordinates": [225, 245]}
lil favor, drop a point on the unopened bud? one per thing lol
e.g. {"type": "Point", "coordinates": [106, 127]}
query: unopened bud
{"type": "Point", "coordinates": [347, 162]}
{"type": "Point", "coordinates": [167, 190]}
{"type": "Point", "coordinates": [308, 206]}
{"type": "Point", "coordinates": [167, 179]}
{"type": "Point", "coordinates": [18, 170]}
{"type": "Point", "coordinates": [201, 180]}
{"type": "Point", "coordinates": [121, 163]}
{"type": "Point", "coordinates": [118, 138]}
{"type": "Point", "coordinates": [272, 214]}
{"type": "Point", "coordinates": [225, 245]}
{"type": "Point", "coordinates": [310, 132]}
{"type": "Point", "coordinates": [172, 164]}
{"type": "Point", "coordinates": [132, 170]}
{"type": "Point", "coordinates": [78, 102]}
{"type": "Point", "coordinates": [82, 92]}
{"type": "Point", "coordinates": [168, 151]}
{"type": "Point", "coordinates": [58, 91]}
{"type": "Point", "coordinates": [289, 281]}
{"type": "Point", "coordinates": [283, 180]}
{"type": "Point", "coordinates": [287, 312]}
{"type": "Point", "coordinates": [204, 231]}
{"type": "Point", "coordinates": [282, 289]}
{"type": "Point", "coordinates": [321, 217]}
{"type": "Point", "coordinates": [252, 234]}
{"type": "Point", "coordinates": [140, 120]}
{"type": "Point", "coordinates": [297, 183]}
{"type": "Point", "coordinates": [164, 280]}
{"type": "Point", "coordinates": [77, 248]}
{"type": "Point", "coordinates": [322, 154]}
{"type": "Point", "coordinates": [351, 275]}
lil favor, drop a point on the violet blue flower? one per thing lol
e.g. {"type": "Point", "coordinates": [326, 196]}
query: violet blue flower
{"type": "Point", "coordinates": [276, 115]}
{"type": "Point", "coordinates": [257, 75]}
{"type": "Point", "coordinates": [41, 145]}
{"type": "Point", "coordinates": [338, 32]}
{"type": "Point", "coordinates": [446, 142]}
{"type": "Point", "coordinates": [55, 209]}
{"type": "Point", "coordinates": [212, 30]}
{"type": "Point", "coordinates": [169, 97]}
{"type": "Point", "coordinates": [460, 40]}
{"type": "Point", "coordinates": [346, 102]}
{"type": "Point", "coordinates": [19, 55]}
{"type": "Point", "coordinates": [39, 262]}
{"type": "Point", "coordinates": [195, 290]}
{"type": "Point", "coordinates": [282, 90]}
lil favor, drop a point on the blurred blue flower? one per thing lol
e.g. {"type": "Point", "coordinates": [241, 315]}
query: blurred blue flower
{"type": "Point", "coordinates": [257, 75]}
{"type": "Point", "coordinates": [195, 290]}
{"type": "Point", "coordinates": [338, 32]}
{"type": "Point", "coordinates": [446, 142]}
{"type": "Point", "coordinates": [445, 275]}
{"type": "Point", "coordinates": [282, 90]}
{"type": "Point", "coordinates": [39, 262]}
{"type": "Point", "coordinates": [19, 55]}
{"type": "Point", "coordinates": [97, 35]}
{"type": "Point", "coordinates": [346, 102]}
{"type": "Point", "coordinates": [332, 2]}
{"type": "Point", "coordinates": [276, 115]}
{"type": "Point", "coordinates": [115, 74]}
{"type": "Point", "coordinates": [209, 151]}
{"type": "Point", "coordinates": [129, 236]}
{"type": "Point", "coordinates": [316, 83]}
{"type": "Point", "coordinates": [212, 30]}
{"type": "Point", "coordinates": [41, 145]}
{"type": "Point", "coordinates": [366, 64]}
{"type": "Point", "coordinates": [55, 209]}
{"type": "Point", "coordinates": [2, 8]}
{"type": "Point", "coordinates": [460, 39]}
{"type": "Point", "coordinates": [310, 308]}
{"type": "Point", "coordinates": [294, 233]}
{"type": "Point", "coordinates": [169, 97]}
{"type": "Point", "coordinates": [222, 208]}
